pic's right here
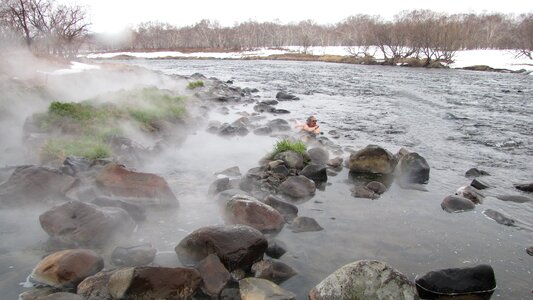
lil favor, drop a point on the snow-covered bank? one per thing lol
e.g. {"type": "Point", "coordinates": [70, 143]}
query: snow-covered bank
{"type": "Point", "coordinates": [497, 59]}
{"type": "Point", "coordinates": [75, 67]}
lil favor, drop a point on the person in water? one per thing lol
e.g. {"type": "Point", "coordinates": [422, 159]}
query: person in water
{"type": "Point", "coordinates": [310, 126]}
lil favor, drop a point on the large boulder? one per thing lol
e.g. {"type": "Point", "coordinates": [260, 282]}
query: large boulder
{"type": "Point", "coordinates": [215, 276]}
{"type": "Point", "coordinates": [95, 286]}
{"type": "Point", "coordinates": [82, 224]}
{"type": "Point", "coordinates": [297, 187]}
{"type": "Point", "coordinates": [139, 188]}
{"type": "Point", "coordinates": [457, 204]}
{"type": "Point", "coordinates": [144, 283]}
{"type": "Point", "coordinates": [67, 268]}
{"type": "Point", "coordinates": [364, 279]}
{"type": "Point", "coordinates": [257, 288]}
{"type": "Point", "coordinates": [291, 159]}
{"type": "Point", "coordinates": [413, 168]}
{"type": "Point", "coordinates": [34, 184]}
{"type": "Point", "coordinates": [372, 159]}
{"type": "Point", "coordinates": [246, 210]}
{"type": "Point", "coordinates": [237, 246]}
{"type": "Point", "coordinates": [465, 283]}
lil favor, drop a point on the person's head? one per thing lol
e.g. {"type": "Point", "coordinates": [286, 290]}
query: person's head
{"type": "Point", "coordinates": [311, 121]}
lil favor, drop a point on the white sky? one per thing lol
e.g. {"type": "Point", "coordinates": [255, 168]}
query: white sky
{"type": "Point", "coordinates": [114, 15]}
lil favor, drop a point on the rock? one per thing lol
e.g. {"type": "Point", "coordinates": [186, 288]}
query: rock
{"type": "Point", "coordinates": [276, 248]}
{"type": "Point", "coordinates": [269, 102]}
{"type": "Point", "coordinates": [291, 159]}
{"type": "Point", "coordinates": [219, 185]}
{"type": "Point", "coordinates": [304, 224]}
{"type": "Point", "coordinates": [133, 256]}
{"type": "Point", "coordinates": [82, 224]}
{"type": "Point", "coordinates": [529, 250]}
{"type": "Point", "coordinates": [166, 259]}
{"type": "Point", "coordinates": [284, 96]}
{"type": "Point", "coordinates": [372, 159]}
{"type": "Point", "coordinates": [137, 213]}
{"type": "Point", "coordinates": [376, 187]}
{"type": "Point", "coordinates": [298, 187]}
{"type": "Point", "coordinates": [223, 197]}
{"type": "Point", "coordinates": [95, 286]}
{"type": "Point", "coordinates": [335, 162]}
{"type": "Point", "coordinates": [67, 268]}
{"type": "Point", "coordinates": [280, 171]}
{"type": "Point", "coordinates": [317, 173]}
{"type": "Point", "coordinates": [215, 276]}
{"type": "Point", "coordinates": [263, 130]}
{"type": "Point", "coordinates": [261, 107]}
{"type": "Point", "coordinates": [279, 125]}
{"type": "Point", "coordinates": [139, 188]}
{"type": "Point", "coordinates": [287, 210]}
{"type": "Point", "coordinates": [34, 184]}
{"type": "Point", "coordinates": [477, 282]}
{"type": "Point", "coordinates": [73, 165]}
{"type": "Point", "coordinates": [471, 193]}
{"type": "Point", "coordinates": [475, 172]}
{"type": "Point", "coordinates": [154, 283]}
{"type": "Point", "coordinates": [514, 198]}
{"type": "Point", "coordinates": [413, 168]}
{"type": "Point", "coordinates": [37, 293]}
{"type": "Point", "coordinates": [230, 294]}
{"type": "Point", "coordinates": [246, 210]}
{"type": "Point", "coordinates": [237, 246]}
{"type": "Point", "coordinates": [257, 288]}
{"type": "Point", "coordinates": [273, 270]}
{"type": "Point", "coordinates": [457, 204]}
{"type": "Point", "coordinates": [364, 192]}
{"type": "Point", "coordinates": [280, 111]}
{"type": "Point", "coordinates": [230, 172]}
{"type": "Point", "coordinates": [499, 217]}
{"type": "Point", "coordinates": [364, 279]}
{"type": "Point", "coordinates": [478, 184]}
{"type": "Point", "coordinates": [526, 187]}
{"type": "Point", "coordinates": [318, 155]}
{"type": "Point", "coordinates": [61, 296]}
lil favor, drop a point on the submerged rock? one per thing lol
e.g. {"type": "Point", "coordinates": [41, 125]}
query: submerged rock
{"type": "Point", "coordinates": [457, 204]}
{"type": "Point", "coordinates": [67, 268]}
{"type": "Point", "coordinates": [499, 217]}
{"type": "Point", "coordinates": [514, 198]}
{"type": "Point", "coordinates": [364, 192]}
{"type": "Point", "coordinates": [364, 279]}
{"type": "Point", "coordinates": [475, 172]}
{"type": "Point", "coordinates": [377, 187]}
{"type": "Point", "coordinates": [257, 288]}
{"type": "Point", "coordinates": [372, 159]}
{"type": "Point", "coordinates": [287, 210]}
{"type": "Point", "coordinates": [305, 224]}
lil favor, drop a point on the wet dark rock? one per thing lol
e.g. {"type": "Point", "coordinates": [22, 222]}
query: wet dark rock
{"type": "Point", "coordinates": [280, 111]}
{"type": "Point", "coordinates": [133, 256]}
{"type": "Point", "coordinates": [514, 198]}
{"type": "Point", "coordinates": [257, 288]}
{"type": "Point", "coordinates": [480, 185]}
{"type": "Point", "coordinates": [215, 276]}
{"type": "Point", "coordinates": [280, 171]}
{"type": "Point", "coordinates": [95, 286]}
{"type": "Point", "coordinates": [263, 130]}
{"type": "Point", "coordinates": [499, 217]}
{"type": "Point", "coordinates": [219, 185]}
{"type": "Point", "coordinates": [457, 204]}
{"type": "Point", "coordinates": [73, 165]}
{"type": "Point", "coordinates": [372, 159]}
{"type": "Point", "coordinates": [364, 192]}
{"type": "Point", "coordinates": [230, 294]}
{"type": "Point", "coordinates": [273, 270]}
{"type": "Point", "coordinates": [76, 223]}
{"type": "Point", "coordinates": [287, 210]}
{"type": "Point", "coordinates": [305, 224]}
{"type": "Point", "coordinates": [284, 96]}
{"type": "Point", "coordinates": [65, 269]}
{"type": "Point", "coordinates": [529, 250]}
{"type": "Point", "coordinates": [246, 210]}
{"type": "Point", "coordinates": [279, 125]}
{"type": "Point", "coordinates": [231, 130]}
{"type": "Point", "coordinates": [377, 187]}
{"type": "Point", "coordinates": [475, 172]}
{"type": "Point", "coordinates": [137, 212]}
{"type": "Point", "coordinates": [154, 283]}
{"type": "Point", "coordinates": [237, 246]}
{"type": "Point", "coordinates": [269, 102]}
{"type": "Point", "coordinates": [317, 173]}
{"type": "Point", "coordinates": [139, 188]}
{"type": "Point", "coordinates": [264, 108]}
{"type": "Point", "coordinates": [477, 282]}
{"type": "Point", "coordinates": [250, 90]}
{"type": "Point", "coordinates": [413, 168]}
{"type": "Point", "coordinates": [291, 159]}
{"type": "Point", "coordinates": [364, 279]}
{"type": "Point", "coordinates": [298, 187]}
{"type": "Point", "coordinates": [318, 155]}
{"type": "Point", "coordinates": [276, 248]}
{"type": "Point", "coordinates": [34, 184]}
{"type": "Point", "coordinates": [471, 193]}
{"type": "Point", "coordinates": [526, 187]}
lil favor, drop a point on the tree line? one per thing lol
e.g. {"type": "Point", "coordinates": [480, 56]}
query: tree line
{"type": "Point", "coordinates": [60, 29]}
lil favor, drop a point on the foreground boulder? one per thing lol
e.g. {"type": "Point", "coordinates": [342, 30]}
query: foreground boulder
{"type": "Point", "coordinates": [83, 224]}
{"type": "Point", "coordinates": [242, 209]}
{"type": "Point", "coordinates": [237, 246]}
{"type": "Point", "coordinates": [477, 282]}
{"type": "Point", "coordinates": [413, 168]}
{"type": "Point", "coordinates": [364, 279]}
{"type": "Point", "coordinates": [215, 276]}
{"type": "Point", "coordinates": [257, 288]}
{"type": "Point", "coordinates": [154, 283]}
{"type": "Point", "coordinates": [457, 204]}
{"type": "Point", "coordinates": [95, 287]}
{"type": "Point", "coordinates": [34, 184]}
{"type": "Point", "coordinates": [139, 188]}
{"type": "Point", "coordinates": [372, 159]}
{"type": "Point", "coordinates": [67, 268]}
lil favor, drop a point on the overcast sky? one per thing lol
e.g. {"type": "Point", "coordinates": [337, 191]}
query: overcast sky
{"type": "Point", "coordinates": [114, 15]}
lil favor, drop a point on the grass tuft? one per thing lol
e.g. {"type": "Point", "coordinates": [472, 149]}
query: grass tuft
{"type": "Point", "coordinates": [286, 145]}
{"type": "Point", "coordinates": [195, 84]}
{"type": "Point", "coordinates": [58, 149]}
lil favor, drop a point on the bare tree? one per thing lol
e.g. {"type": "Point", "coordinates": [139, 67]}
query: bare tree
{"type": "Point", "coordinates": [524, 35]}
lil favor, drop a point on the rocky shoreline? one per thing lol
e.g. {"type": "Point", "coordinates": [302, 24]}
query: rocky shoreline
{"type": "Point", "coordinates": [96, 203]}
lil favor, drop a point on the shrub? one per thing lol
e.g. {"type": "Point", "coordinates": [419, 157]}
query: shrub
{"type": "Point", "coordinates": [286, 145]}
{"type": "Point", "coordinates": [195, 84]}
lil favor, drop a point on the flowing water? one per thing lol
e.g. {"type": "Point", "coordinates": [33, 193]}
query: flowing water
{"type": "Point", "coordinates": [455, 119]}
